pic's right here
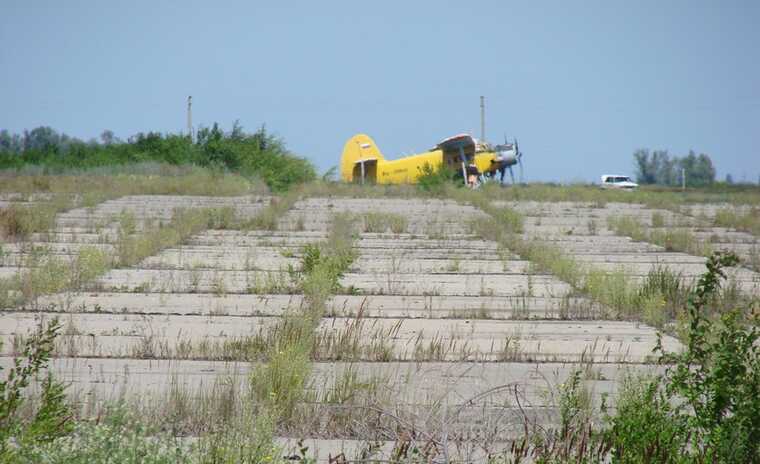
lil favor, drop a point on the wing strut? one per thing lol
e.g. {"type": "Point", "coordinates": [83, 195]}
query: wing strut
{"type": "Point", "coordinates": [464, 168]}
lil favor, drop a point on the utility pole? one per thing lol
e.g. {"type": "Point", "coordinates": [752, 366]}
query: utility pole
{"type": "Point", "coordinates": [190, 117]}
{"type": "Point", "coordinates": [482, 119]}
{"type": "Point", "coordinates": [683, 178]}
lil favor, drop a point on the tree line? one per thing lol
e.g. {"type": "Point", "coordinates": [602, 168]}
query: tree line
{"type": "Point", "coordinates": [259, 154]}
{"type": "Point", "coordinates": [660, 168]}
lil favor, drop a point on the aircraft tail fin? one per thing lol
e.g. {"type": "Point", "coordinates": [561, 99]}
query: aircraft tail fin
{"type": "Point", "coordinates": [359, 147]}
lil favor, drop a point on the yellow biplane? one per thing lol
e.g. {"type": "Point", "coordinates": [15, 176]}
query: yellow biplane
{"type": "Point", "coordinates": [362, 162]}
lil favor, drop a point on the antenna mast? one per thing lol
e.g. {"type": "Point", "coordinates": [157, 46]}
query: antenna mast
{"type": "Point", "coordinates": [190, 117]}
{"type": "Point", "coordinates": [482, 119]}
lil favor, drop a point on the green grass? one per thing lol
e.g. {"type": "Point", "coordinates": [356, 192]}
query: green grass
{"type": "Point", "coordinates": [17, 222]}
{"type": "Point", "coordinates": [671, 239]}
{"type": "Point", "coordinates": [133, 248]}
{"type": "Point", "coordinates": [120, 436]}
{"type": "Point", "coordinates": [88, 189]}
{"type": "Point", "coordinates": [269, 218]}
{"type": "Point", "coordinates": [42, 273]}
{"type": "Point", "coordinates": [280, 382]}
{"type": "Point", "coordinates": [651, 196]}
{"type": "Point", "coordinates": [259, 155]}
{"type": "Point", "coordinates": [655, 301]}
{"type": "Point", "coordinates": [139, 179]}
{"type": "Point", "coordinates": [747, 221]}
{"type": "Point", "coordinates": [377, 222]}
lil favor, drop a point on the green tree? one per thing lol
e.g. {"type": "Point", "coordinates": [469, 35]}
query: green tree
{"type": "Point", "coordinates": [660, 168]}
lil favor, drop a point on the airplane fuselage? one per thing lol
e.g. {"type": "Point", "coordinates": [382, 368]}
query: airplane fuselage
{"type": "Point", "coordinates": [363, 162]}
{"type": "Point", "coordinates": [408, 169]}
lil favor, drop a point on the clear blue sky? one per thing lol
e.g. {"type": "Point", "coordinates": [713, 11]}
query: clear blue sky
{"type": "Point", "coordinates": [581, 84]}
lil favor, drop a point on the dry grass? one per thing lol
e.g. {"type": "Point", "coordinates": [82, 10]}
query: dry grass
{"type": "Point", "coordinates": [133, 248]}
{"type": "Point", "coordinates": [42, 273]}
{"type": "Point", "coordinates": [278, 396]}
{"type": "Point", "coordinates": [671, 239]}
{"type": "Point", "coordinates": [269, 218]}
{"type": "Point", "coordinates": [382, 222]}
{"type": "Point", "coordinates": [93, 186]}
{"type": "Point", "coordinates": [748, 221]}
{"type": "Point", "coordinates": [54, 194]}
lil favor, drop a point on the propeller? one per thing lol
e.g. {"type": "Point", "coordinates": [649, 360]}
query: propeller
{"type": "Point", "coordinates": [518, 156]}
{"type": "Point", "coordinates": [515, 148]}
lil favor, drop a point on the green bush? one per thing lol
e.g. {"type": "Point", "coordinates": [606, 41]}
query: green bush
{"type": "Point", "coordinates": [119, 438]}
{"type": "Point", "coordinates": [258, 155]}
{"type": "Point", "coordinates": [644, 428]}
{"type": "Point", "coordinates": [51, 418]}
{"type": "Point", "coordinates": [20, 221]}
{"type": "Point", "coordinates": [706, 407]}
{"type": "Point", "coordinates": [434, 179]}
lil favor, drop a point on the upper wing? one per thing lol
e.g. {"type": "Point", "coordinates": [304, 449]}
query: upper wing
{"type": "Point", "coordinates": [456, 142]}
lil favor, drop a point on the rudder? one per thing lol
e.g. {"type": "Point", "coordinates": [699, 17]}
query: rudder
{"type": "Point", "coordinates": [358, 147]}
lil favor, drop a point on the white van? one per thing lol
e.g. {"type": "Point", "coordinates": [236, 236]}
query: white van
{"type": "Point", "coordinates": [610, 181]}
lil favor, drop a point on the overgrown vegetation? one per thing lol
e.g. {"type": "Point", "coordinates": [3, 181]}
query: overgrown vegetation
{"type": "Point", "coordinates": [258, 155]}
{"type": "Point", "coordinates": [23, 424]}
{"type": "Point", "coordinates": [184, 223]}
{"type": "Point", "coordinates": [49, 195]}
{"type": "Point", "coordinates": [277, 386]}
{"type": "Point", "coordinates": [269, 218]}
{"type": "Point", "coordinates": [704, 408]}
{"type": "Point", "coordinates": [747, 221]}
{"type": "Point", "coordinates": [654, 196]}
{"type": "Point", "coordinates": [43, 273]}
{"type": "Point", "coordinates": [659, 300]}
{"type": "Point", "coordinates": [435, 179]}
{"type": "Point", "coordinates": [376, 222]}
{"type": "Point", "coordinates": [648, 425]}
{"type": "Point", "coordinates": [18, 222]}
{"type": "Point", "coordinates": [146, 178]}
{"type": "Point", "coordinates": [672, 239]}
{"type": "Point", "coordinates": [120, 436]}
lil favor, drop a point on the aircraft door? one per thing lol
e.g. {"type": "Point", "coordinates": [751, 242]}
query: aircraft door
{"type": "Point", "coordinates": [456, 159]}
{"type": "Point", "coordinates": [365, 171]}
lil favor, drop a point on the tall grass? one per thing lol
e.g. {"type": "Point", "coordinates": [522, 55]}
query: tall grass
{"type": "Point", "coordinates": [87, 189]}
{"type": "Point", "coordinates": [655, 301]}
{"type": "Point", "coordinates": [147, 178]}
{"type": "Point", "coordinates": [703, 407]}
{"type": "Point", "coordinates": [42, 273]}
{"type": "Point", "coordinates": [652, 196]}
{"type": "Point", "coordinates": [280, 382]}
{"type": "Point", "coordinates": [748, 221]}
{"type": "Point", "coordinates": [269, 218]}
{"type": "Point", "coordinates": [17, 222]}
{"type": "Point", "coordinates": [133, 248]}
{"type": "Point", "coordinates": [377, 222]}
{"type": "Point", "coordinates": [682, 240]}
